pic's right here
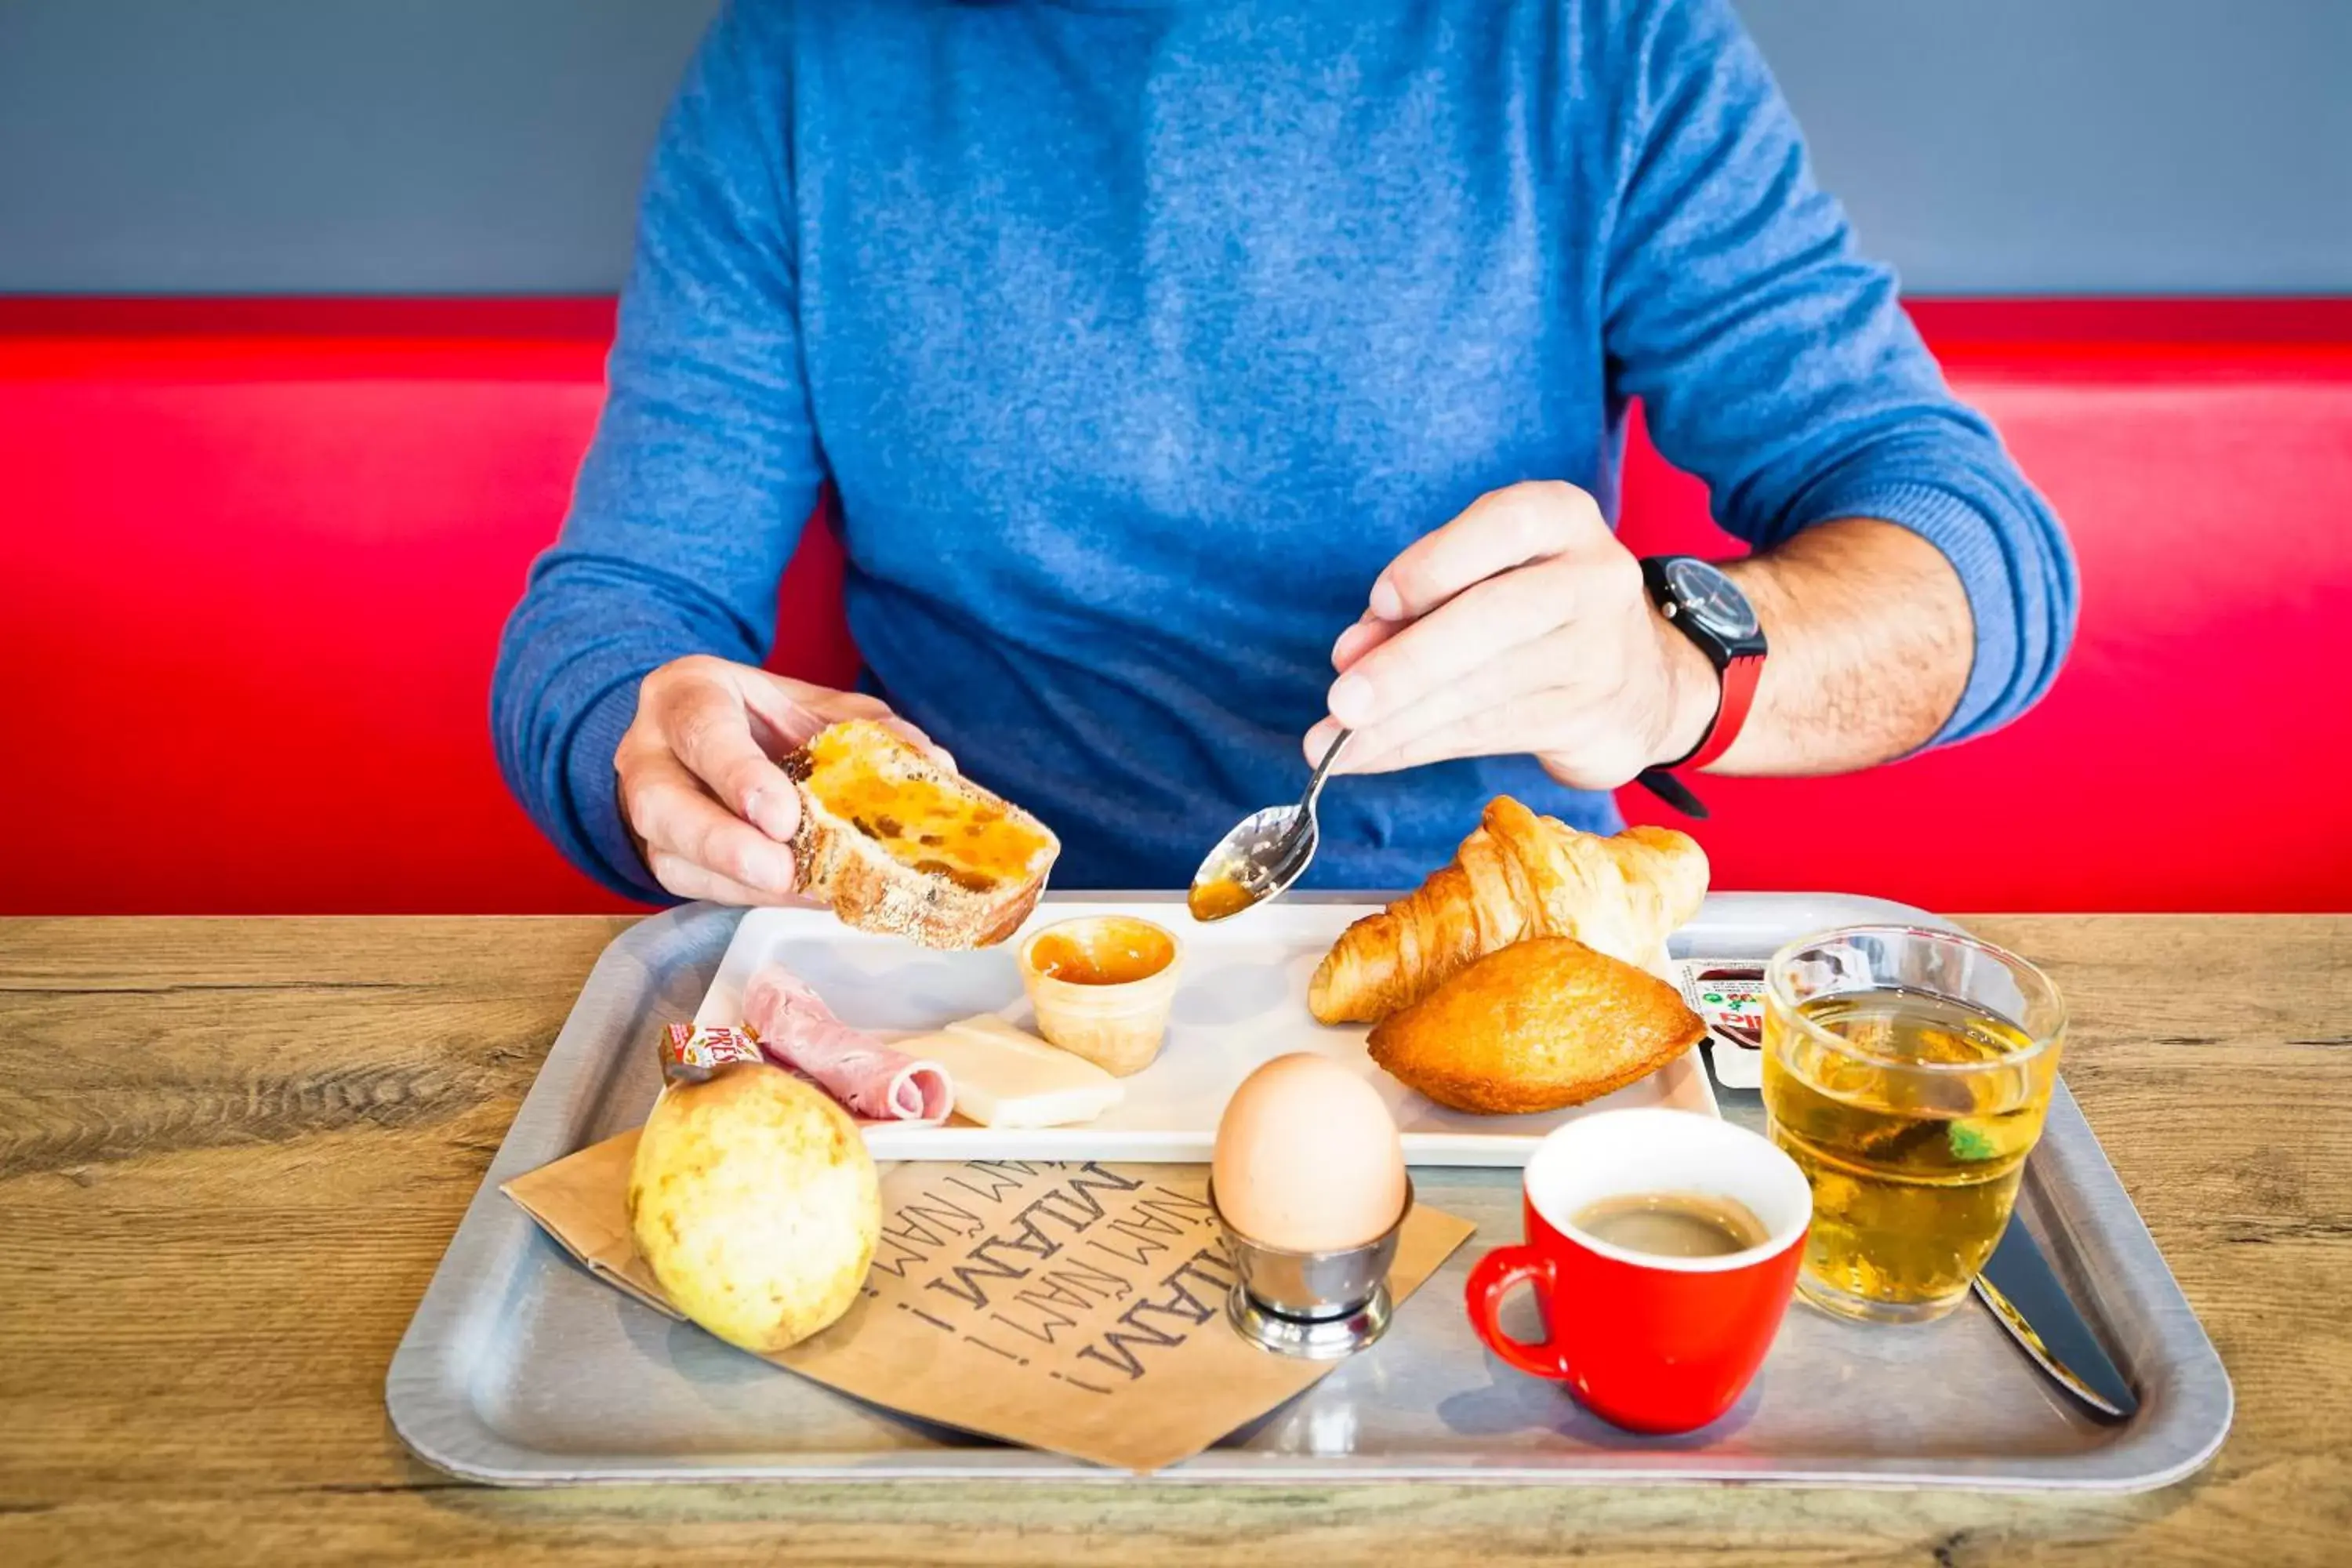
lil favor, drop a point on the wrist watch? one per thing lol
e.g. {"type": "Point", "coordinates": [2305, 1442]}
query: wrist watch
{"type": "Point", "coordinates": [1707, 607]}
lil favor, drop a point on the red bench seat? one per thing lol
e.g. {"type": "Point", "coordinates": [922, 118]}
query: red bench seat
{"type": "Point", "coordinates": [257, 555]}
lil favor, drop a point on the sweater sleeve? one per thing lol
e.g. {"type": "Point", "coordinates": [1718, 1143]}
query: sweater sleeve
{"type": "Point", "coordinates": [1779, 366]}
{"type": "Point", "coordinates": [704, 466]}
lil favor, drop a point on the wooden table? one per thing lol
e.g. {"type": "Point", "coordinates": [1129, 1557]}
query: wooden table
{"type": "Point", "coordinates": [231, 1152]}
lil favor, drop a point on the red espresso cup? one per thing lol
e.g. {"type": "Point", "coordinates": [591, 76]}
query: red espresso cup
{"type": "Point", "coordinates": [1646, 1341]}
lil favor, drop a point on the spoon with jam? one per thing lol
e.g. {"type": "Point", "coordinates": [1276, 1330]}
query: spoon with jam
{"type": "Point", "coordinates": [1264, 855]}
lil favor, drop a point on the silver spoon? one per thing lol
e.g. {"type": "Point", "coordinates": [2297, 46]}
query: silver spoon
{"type": "Point", "coordinates": [1262, 857]}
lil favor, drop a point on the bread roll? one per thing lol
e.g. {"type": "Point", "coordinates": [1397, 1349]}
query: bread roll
{"type": "Point", "coordinates": [754, 1200]}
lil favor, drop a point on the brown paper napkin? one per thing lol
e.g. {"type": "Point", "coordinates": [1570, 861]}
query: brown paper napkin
{"type": "Point", "coordinates": [1076, 1308]}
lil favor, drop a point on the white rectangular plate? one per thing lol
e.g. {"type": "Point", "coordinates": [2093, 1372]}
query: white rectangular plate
{"type": "Point", "coordinates": [1241, 1000]}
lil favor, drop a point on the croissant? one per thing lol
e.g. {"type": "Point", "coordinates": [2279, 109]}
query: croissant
{"type": "Point", "coordinates": [1517, 876]}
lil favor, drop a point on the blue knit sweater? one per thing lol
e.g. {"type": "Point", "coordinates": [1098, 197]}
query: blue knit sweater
{"type": "Point", "coordinates": [1136, 339]}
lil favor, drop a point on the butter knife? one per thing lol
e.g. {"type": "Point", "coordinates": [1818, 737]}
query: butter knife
{"type": "Point", "coordinates": [2028, 1301]}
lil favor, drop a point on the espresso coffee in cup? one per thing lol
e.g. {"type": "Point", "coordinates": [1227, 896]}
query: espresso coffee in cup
{"type": "Point", "coordinates": [1673, 1224]}
{"type": "Point", "coordinates": [1662, 1245]}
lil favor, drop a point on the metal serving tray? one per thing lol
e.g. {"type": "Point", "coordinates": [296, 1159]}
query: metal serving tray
{"type": "Point", "coordinates": [521, 1369]}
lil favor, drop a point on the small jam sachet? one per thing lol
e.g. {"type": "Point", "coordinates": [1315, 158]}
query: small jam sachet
{"type": "Point", "coordinates": [1728, 996]}
{"type": "Point", "coordinates": [691, 1053]}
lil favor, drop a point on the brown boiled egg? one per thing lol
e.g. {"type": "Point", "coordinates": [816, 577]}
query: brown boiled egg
{"type": "Point", "coordinates": [1307, 1157]}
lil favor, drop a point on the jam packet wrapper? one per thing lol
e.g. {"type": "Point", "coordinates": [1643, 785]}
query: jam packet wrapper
{"type": "Point", "coordinates": [692, 1052]}
{"type": "Point", "coordinates": [1729, 994]}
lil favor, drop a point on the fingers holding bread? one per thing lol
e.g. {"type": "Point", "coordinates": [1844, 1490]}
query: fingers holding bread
{"type": "Point", "coordinates": [696, 712]}
{"type": "Point", "coordinates": [786, 713]}
{"type": "Point", "coordinates": [690, 880]}
{"type": "Point", "coordinates": [694, 845]}
{"type": "Point", "coordinates": [745, 787]}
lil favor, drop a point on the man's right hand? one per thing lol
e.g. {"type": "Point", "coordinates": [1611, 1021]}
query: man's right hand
{"type": "Point", "coordinates": [712, 815]}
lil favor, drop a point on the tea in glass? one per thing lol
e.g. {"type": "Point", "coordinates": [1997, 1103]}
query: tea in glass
{"type": "Point", "coordinates": [1908, 1074]}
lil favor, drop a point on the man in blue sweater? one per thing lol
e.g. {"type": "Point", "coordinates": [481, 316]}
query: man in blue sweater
{"type": "Point", "coordinates": [1196, 378]}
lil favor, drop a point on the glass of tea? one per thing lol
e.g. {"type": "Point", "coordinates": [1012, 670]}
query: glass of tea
{"type": "Point", "coordinates": [1907, 1072]}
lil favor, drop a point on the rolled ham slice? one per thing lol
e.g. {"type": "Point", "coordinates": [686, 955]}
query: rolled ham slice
{"type": "Point", "coordinates": [870, 1080]}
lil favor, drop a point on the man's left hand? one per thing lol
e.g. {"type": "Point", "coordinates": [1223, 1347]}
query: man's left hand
{"type": "Point", "coordinates": [1521, 627]}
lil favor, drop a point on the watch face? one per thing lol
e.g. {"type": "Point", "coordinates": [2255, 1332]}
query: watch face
{"type": "Point", "coordinates": [1708, 598]}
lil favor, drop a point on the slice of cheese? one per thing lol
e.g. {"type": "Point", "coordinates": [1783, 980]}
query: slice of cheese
{"type": "Point", "coordinates": [1006, 1077]}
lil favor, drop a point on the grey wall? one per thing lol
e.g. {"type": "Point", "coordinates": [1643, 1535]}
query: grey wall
{"type": "Point", "coordinates": [2081, 146]}
{"type": "Point", "coordinates": [324, 146]}
{"type": "Point", "coordinates": [452, 146]}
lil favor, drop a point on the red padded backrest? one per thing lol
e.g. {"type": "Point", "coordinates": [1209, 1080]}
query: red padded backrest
{"type": "Point", "coordinates": [2201, 457]}
{"type": "Point", "coordinates": [257, 555]}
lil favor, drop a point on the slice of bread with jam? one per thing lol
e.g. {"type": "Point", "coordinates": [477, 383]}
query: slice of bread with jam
{"type": "Point", "coordinates": [897, 843]}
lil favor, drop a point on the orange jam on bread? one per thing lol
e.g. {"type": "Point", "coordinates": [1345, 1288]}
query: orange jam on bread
{"type": "Point", "coordinates": [879, 783]}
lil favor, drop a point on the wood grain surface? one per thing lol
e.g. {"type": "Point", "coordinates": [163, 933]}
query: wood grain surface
{"type": "Point", "coordinates": [231, 1152]}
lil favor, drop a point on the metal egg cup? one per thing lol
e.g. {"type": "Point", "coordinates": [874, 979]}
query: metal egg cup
{"type": "Point", "coordinates": [1318, 1306]}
